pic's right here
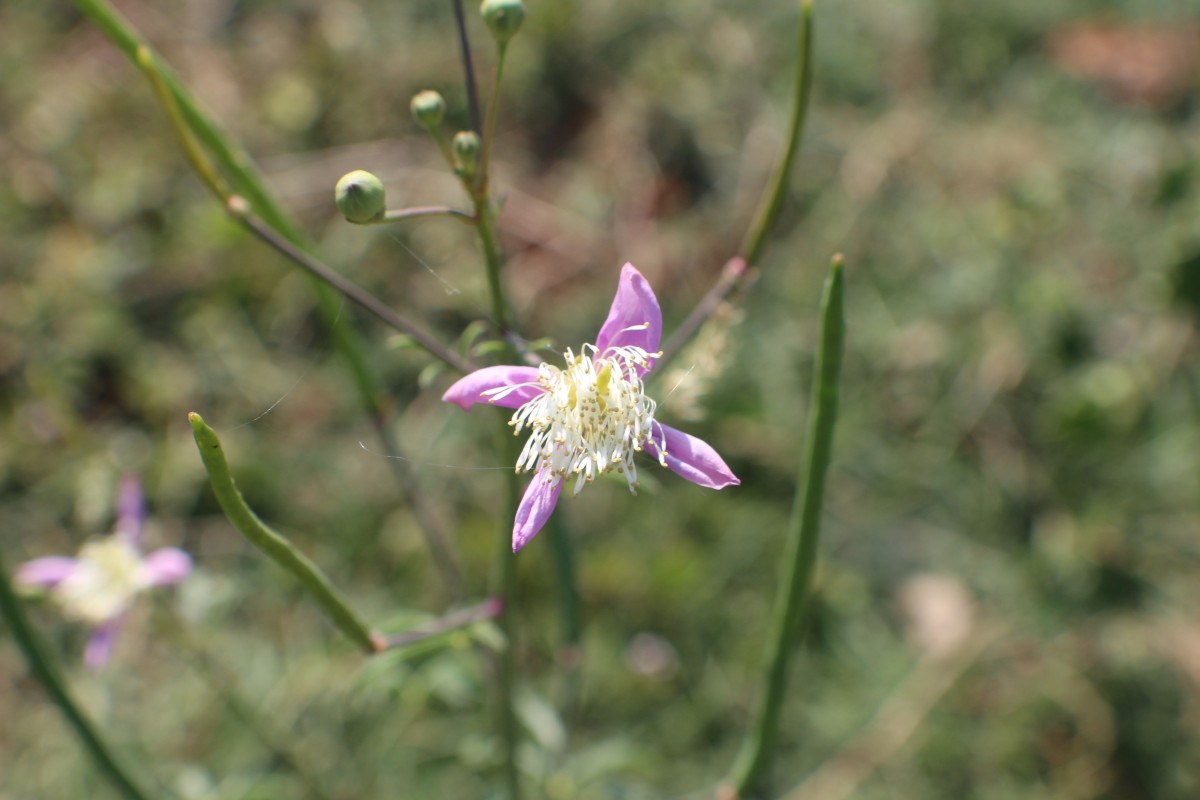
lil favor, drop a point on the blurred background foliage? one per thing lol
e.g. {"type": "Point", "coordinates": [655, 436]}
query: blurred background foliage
{"type": "Point", "coordinates": [1012, 547]}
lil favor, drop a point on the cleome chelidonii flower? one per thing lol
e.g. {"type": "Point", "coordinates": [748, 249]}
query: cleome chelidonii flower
{"type": "Point", "coordinates": [592, 415]}
{"type": "Point", "coordinates": [98, 586]}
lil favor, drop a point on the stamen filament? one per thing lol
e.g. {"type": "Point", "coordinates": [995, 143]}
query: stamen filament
{"type": "Point", "coordinates": [590, 417]}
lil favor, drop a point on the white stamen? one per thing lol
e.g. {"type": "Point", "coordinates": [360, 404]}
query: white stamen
{"type": "Point", "coordinates": [590, 417]}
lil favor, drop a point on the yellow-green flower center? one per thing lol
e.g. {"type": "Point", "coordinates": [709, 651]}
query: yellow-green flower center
{"type": "Point", "coordinates": [108, 576]}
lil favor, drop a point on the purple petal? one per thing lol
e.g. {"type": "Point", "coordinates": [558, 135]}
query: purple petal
{"type": "Point", "coordinates": [469, 389]}
{"type": "Point", "coordinates": [166, 566]}
{"type": "Point", "coordinates": [536, 507]}
{"type": "Point", "coordinates": [635, 304]}
{"type": "Point", "coordinates": [46, 573]}
{"type": "Point", "coordinates": [692, 458]}
{"type": "Point", "coordinates": [131, 511]}
{"type": "Point", "coordinates": [100, 644]}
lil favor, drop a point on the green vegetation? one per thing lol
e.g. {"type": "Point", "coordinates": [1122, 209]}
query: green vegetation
{"type": "Point", "coordinates": [1007, 586]}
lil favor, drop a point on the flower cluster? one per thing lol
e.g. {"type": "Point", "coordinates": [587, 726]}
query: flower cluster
{"type": "Point", "coordinates": [592, 415]}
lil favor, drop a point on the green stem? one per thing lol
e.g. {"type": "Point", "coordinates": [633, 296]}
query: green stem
{"type": "Point", "coordinates": [274, 546]}
{"type": "Point", "coordinates": [772, 199]}
{"type": "Point", "coordinates": [231, 158]}
{"type": "Point", "coordinates": [454, 620]}
{"type": "Point", "coordinates": [239, 210]}
{"type": "Point", "coordinates": [47, 674]}
{"type": "Point", "coordinates": [485, 218]}
{"type": "Point", "coordinates": [489, 128]}
{"type": "Point", "coordinates": [731, 275]}
{"type": "Point", "coordinates": [504, 574]}
{"type": "Point", "coordinates": [247, 179]}
{"type": "Point", "coordinates": [425, 211]}
{"type": "Point", "coordinates": [444, 147]}
{"type": "Point", "coordinates": [803, 533]}
{"type": "Point", "coordinates": [505, 569]}
{"type": "Point", "coordinates": [493, 262]}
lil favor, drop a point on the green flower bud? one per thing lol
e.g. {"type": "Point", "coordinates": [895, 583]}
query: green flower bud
{"type": "Point", "coordinates": [466, 151]}
{"type": "Point", "coordinates": [360, 197]}
{"type": "Point", "coordinates": [428, 109]}
{"type": "Point", "coordinates": [503, 18]}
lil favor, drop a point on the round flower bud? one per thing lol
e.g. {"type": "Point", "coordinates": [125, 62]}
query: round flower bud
{"type": "Point", "coordinates": [466, 150]}
{"type": "Point", "coordinates": [360, 197]}
{"type": "Point", "coordinates": [503, 17]}
{"type": "Point", "coordinates": [428, 109]}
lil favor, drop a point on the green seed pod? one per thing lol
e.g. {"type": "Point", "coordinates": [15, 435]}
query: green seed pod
{"type": "Point", "coordinates": [360, 197]}
{"type": "Point", "coordinates": [428, 109]}
{"type": "Point", "coordinates": [503, 18]}
{"type": "Point", "coordinates": [466, 151]}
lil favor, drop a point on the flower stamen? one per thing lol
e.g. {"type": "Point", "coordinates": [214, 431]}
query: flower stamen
{"type": "Point", "coordinates": [590, 417]}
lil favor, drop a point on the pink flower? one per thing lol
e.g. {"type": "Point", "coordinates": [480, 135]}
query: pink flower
{"type": "Point", "coordinates": [592, 415]}
{"type": "Point", "coordinates": [98, 586]}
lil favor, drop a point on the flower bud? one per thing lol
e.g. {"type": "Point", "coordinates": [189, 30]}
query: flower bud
{"type": "Point", "coordinates": [466, 151]}
{"type": "Point", "coordinates": [428, 109]}
{"type": "Point", "coordinates": [360, 197]}
{"type": "Point", "coordinates": [503, 18]}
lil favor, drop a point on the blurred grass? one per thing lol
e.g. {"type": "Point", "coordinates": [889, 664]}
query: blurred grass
{"type": "Point", "coordinates": [1019, 412]}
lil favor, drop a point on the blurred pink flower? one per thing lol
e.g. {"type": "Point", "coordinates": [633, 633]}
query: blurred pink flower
{"type": "Point", "coordinates": [591, 416]}
{"type": "Point", "coordinates": [98, 586]}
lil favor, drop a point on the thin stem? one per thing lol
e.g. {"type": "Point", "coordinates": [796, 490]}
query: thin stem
{"type": "Point", "coordinates": [229, 156]}
{"type": "Point", "coordinates": [731, 275]}
{"type": "Point", "coordinates": [493, 263]}
{"type": "Point", "coordinates": [464, 48]}
{"type": "Point", "coordinates": [772, 199]}
{"type": "Point", "coordinates": [804, 531]}
{"type": "Point", "coordinates": [504, 572]}
{"type": "Point", "coordinates": [191, 150]}
{"type": "Point", "coordinates": [43, 668]}
{"type": "Point", "coordinates": [246, 178]}
{"type": "Point", "coordinates": [272, 544]}
{"type": "Point", "coordinates": [489, 130]}
{"type": "Point", "coordinates": [485, 218]}
{"type": "Point", "coordinates": [738, 269]}
{"type": "Point", "coordinates": [240, 210]}
{"type": "Point", "coordinates": [426, 211]}
{"type": "Point", "coordinates": [488, 609]}
{"type": "Point", "coordinates": [444, 147]}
